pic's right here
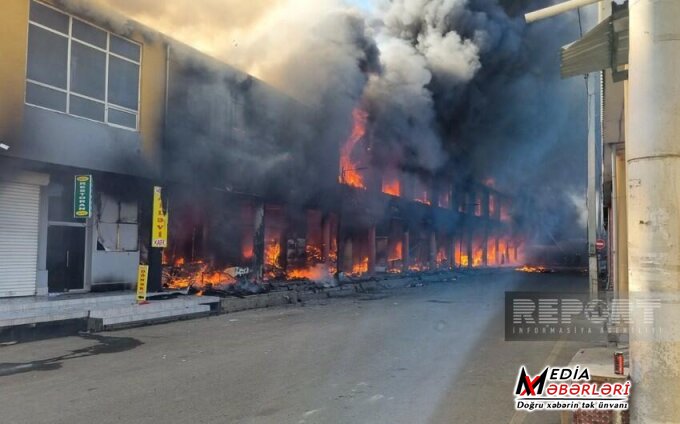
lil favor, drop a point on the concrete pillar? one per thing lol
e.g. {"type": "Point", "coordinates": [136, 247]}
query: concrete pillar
{"type": "Point", "coordinates": [405, 250]}
{"type": "Point", "coordinates": [653, 176]}
{"type": "Point", "coordinates": [258, 241]}
{"type": "Point", "coordinates": [591, 198]}
{"type": "Point", "coordinates": [485, 232]}
{"type": "Point", "coordinates": [621, 230]}
{"type": "Point", "coordinates": [326, 238]}
{"type": "Point", "coordinates": [347, 255]}
{"type": "Point", "coordinates": [41, 269]}
{"type": "Point", "coordinates": [485, 244]}
{"type": "Point", "coordinates": [469, 246]}
{"type": "Point", "coordinates": [452, 256]}
{"type": "Point", "coordinates": [371, 250]}
{"type": "Point", "coordinates": [498, 253]}
{"type": "Point", "coordinates": [155, 256]}
{"type": "Point", "coordinates": [433, 250]}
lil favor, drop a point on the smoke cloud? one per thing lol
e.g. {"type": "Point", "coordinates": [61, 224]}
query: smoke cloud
{"type": "Point", "coordinates": [457, 86]}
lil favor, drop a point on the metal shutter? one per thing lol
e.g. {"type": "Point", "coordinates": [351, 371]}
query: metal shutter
{"type": "Point", "coordinates": [19, 211]}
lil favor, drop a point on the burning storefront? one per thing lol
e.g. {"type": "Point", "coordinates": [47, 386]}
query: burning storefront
{"type": "Point", "coordinates": [253, 209]}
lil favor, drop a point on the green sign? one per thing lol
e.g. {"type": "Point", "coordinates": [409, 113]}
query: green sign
{"type": "Point", "coordinates": [82, 196]}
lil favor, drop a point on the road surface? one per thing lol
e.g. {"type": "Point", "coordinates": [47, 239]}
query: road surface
{"type": "Point", "coordinates": [432, 354]}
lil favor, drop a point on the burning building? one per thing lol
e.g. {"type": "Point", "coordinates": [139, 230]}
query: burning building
{"type": "Point", "coordinates": [259, 186]}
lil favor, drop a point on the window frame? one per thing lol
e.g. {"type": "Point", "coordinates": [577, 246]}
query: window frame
{"type": "Point", "coordinates": [108, 53]}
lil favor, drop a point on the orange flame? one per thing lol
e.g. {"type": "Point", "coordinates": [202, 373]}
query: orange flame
{"type": "Point", "coordinates": [491, 252]}
{"type": "Point", "coordinates": [463, 260]}
{"type": "Point", "coordinates": [477, 255]}
{"type": "Point", "coordinates": [318, 272]}
{"type": "Point", "coordinates": [417, 267]}
{"type": "Point", "coordinates": [530, 268]}
{"type": "Point", "coordinates": [360, 267]}
{"type": "Point", "coordinates": [349, 173]}
{"type": "Point", "coordinates": [196, 274]}
{"type": "Point", "coordinates": [391, 187]}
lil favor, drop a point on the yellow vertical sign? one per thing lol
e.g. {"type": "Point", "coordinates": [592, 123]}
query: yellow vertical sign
{"type": "Point", "coordinates": [142, 278]}
{"type": "Point", "coordinates": [159, 226]}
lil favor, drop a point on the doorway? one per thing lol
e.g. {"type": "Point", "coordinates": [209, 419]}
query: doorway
{"type": "Point", "coordinates": [65, 258]}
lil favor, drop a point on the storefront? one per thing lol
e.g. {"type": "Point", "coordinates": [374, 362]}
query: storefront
{"type": "Point", "coordinates": [22, 226]}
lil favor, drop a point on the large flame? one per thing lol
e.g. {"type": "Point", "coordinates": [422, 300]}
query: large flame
{"type": "Point", "coordinates": [349, 173]}
{"type": "Point", "coordinates": [360, 267]}
{"type": "Point", "coordinates": [491, 252]}
{"type": "Point", "coordinates": [395, 258]}
{"type": "Point", "coordinates": [477, 255]}
{"type": "Point", "coordinates": [391, 186]}
{"type": "Point", "coordinates": [198, 275]}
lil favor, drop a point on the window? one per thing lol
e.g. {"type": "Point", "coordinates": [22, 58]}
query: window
{"type": "Point", "coordinates": [80, 69]}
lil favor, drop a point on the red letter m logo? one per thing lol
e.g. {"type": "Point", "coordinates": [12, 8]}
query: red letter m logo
{"type": "Point", "coordinates": [527, 386]}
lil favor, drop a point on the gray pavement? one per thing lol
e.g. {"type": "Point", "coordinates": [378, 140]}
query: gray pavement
{"type": "Point", "coordinates": [432, 354]}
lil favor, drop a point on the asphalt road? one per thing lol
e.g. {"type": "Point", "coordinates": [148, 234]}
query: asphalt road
{"type": "Point", "coordinates": [432, 354]}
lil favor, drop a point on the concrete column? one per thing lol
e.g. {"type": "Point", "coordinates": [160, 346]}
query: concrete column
{"type": "Point", "coordinates": [371, 250]}
{"type": "Point", "coordinates": [653, 182]}
{"type": "Point", "coordinates": [326, 238]}
{"type": "Point", "coordinates": [405, 250]}
{"type": "Point", "coordinates": [485, 233]}
{"type": "Point", "coordinates": [621, 230]}
{"type": "Point", "coordinates": [452, 256]}
{"type": "Point", "coordinates": [485, 244]}
{"type": "Point", "coordinates": [347, 255]}
{"type": "Point", "coordinates": [468, 246]}
{"type": "Point", "coordinates": [433, 250]}
{"type": "Point", "coordinates": [41, 270]}
{"type": "Point", "coordinates": [155, 259]}
{"type": "Point", "coordinates": [591, 198]}
{"type": "Point", "coordinates": [258, 241]}
{"type": "Point", "coordinates": [498, 253]}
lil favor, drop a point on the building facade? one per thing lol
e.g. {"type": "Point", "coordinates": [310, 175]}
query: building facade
{"type": "Point", "coordinates": [127, 108]}
{"type": "Point", "coordinates": [79, 98]}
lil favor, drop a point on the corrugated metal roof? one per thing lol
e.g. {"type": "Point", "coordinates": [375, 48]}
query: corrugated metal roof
{"type": "Point", "coordinates": [603, 47]}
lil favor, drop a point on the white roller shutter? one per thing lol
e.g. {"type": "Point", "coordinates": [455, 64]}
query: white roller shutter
{"type": "Point", "coordinates": [19, 222]}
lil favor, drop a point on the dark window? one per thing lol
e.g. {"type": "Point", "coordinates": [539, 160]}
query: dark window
{"type": "Point", "coordinates": [45, 97]}
{"type": "Point", "coordinates": [89, 34]}
{"type": "Point", "coordinates": [125, 48]}
{"type": "Point", "coordinates": [123, 83]}
{"type": "Point", "coordinates": [118, 117]}
{"type": "Point", "coordinates": [86, 108]}
{"type": "Point", "coordinates": [68, 73]}
{"type": "Point", "coordinates": [49, 17]}
{"type": "Point", "coordinates": [47, 56]}
{"type": "Point", "coordinates": [88, 71]}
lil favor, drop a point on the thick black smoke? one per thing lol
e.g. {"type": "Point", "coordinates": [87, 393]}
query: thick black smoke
{"type": "Point", "coordinates": [457, 87]}
{"type": "Point", "coordinates": [474, 89]}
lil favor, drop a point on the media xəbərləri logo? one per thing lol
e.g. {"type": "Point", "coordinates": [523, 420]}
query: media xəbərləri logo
{"type": "Point", "coordinates": [563, 388]}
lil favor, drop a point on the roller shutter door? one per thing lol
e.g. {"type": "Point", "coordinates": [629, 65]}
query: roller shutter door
{"type": "Point", "coordinates": [19, 222]}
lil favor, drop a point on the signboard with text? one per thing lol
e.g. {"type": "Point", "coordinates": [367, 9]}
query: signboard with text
{"type": "Point", "coordinates": [159, 226]}
{"type": "Point", "coordinates": [142, 278]}
{"type": "Point", "coordinates": [82, 196]}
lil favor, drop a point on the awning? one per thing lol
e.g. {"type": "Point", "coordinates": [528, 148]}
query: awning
{"type": "Point", "coordinates": [603, 47]}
